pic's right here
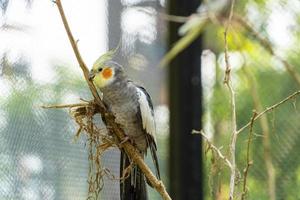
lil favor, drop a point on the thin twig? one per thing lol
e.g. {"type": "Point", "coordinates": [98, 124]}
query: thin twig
{"type": "Point", "coordinates": [249, 162]}
{"type": "Point", "coordinates": [213, 147]}
{"type": "Point", "coordinates": [64, 105]}
{"type": "Point", "coordinates": [266, 135]}
{"type": "Point", "coordinates": [227, 81]}
{"type": "Point", "coordinates": [109, 118]}
{"type": "Point", "coordinates": [271, 108]}
{"type": "Point", "coordinates": [228, 68]}
{"type": "Point", "coordinates": [78, 55]}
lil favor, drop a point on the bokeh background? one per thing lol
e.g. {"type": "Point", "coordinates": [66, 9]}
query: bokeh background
{"type": "Point", "coordinates": [38, 156]}
{"type": "Point", "coordinates": [260, 80]}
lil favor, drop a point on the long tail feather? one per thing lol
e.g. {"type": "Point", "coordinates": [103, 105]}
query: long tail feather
{"type": "Point", "coordinates": [155, 159]}
{"type": "Point", "coordinates": [134, 187]}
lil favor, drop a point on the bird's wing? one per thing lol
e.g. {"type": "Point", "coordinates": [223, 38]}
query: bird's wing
{"type": "Point", "coordinates": [146, 112]}
{"type": "Point", "coordinates": [147, 116]}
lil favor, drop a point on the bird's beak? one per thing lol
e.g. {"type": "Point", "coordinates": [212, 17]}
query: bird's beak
{"type": "Point", "coordinates": [91, 75]}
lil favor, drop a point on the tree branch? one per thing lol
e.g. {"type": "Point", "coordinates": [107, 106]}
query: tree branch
{"type": "Point", "coordinates": [213, 147]}
{"type": "Point", "coordinates": [249, 162]}
{"type": "Point", "coordinates": [227, 82]}
{"type": "Point", "coordinates": [270, 109]}
{"type": "Point", "coordinates": [65, 105]}
{"type": "Point", "coordinates": [109, 118]}
{"type": "Point", "coordinates": [266, 133]}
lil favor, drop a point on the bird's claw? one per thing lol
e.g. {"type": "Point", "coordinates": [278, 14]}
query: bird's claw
{"type": "Point", "coordinates": [125, 139]}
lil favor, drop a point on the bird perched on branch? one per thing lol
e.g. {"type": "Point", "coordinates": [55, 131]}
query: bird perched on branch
{"type": "Point", "coordinates": [133, 111]}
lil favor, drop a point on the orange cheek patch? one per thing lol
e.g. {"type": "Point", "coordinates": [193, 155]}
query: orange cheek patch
{"type": "Point", "coordinates": [107, 73]}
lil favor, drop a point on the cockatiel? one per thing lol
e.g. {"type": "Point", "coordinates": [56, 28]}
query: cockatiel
{"type": "Point", "coordinates": [133, 110]}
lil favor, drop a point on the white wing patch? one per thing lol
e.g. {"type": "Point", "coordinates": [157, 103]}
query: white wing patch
{"type": "Point", "coordinates": [146, 112]}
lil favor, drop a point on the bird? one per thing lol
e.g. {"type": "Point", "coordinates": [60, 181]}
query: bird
{"type": "Point", "coordinates": [133, 110]}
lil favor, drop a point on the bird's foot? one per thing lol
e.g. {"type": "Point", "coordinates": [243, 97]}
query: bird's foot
{"type": "Point", "coordinates": [125, 139]}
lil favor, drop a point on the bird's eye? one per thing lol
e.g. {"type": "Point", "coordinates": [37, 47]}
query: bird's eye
{"type": "Point", "coordinates": [100, 69]}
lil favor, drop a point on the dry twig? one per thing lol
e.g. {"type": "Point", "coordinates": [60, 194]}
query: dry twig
{"type": "Point", "coordinates": [109, 118]}
{"type": "Point", "coordinates": [266, 135]}
{"type": "Point", "coordinates": [271, 108]}
{"type": "Point", "coordinates": [213, 147]}
{"type": "Point", "coordinates": [227, 82]}
{"type": "Point", "coordinates": [64, 105]}
{"type": "Point", "coordinates": [249, 162]}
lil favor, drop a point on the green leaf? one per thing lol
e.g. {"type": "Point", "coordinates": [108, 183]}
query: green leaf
{"type": "Point", "coordinates": [183, 43]}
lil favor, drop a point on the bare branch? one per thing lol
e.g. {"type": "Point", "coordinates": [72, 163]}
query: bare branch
{"type": "Point", "coordinates": [266, 135]}
{"type": "Point", "coordinates": [213, 147]}
{"type": "Point", "coordinates": [249, 162]}
{"type": "Point", "coordinates": [64, 105]}
{"type": "Point", "coordinates": [228, 68]}
{"type": "Point", "coordinates": [109, 118]}
{"type": "Point", "coordinates": [227, 82]}
{"type": "Point", "coordinates": [270, 109]}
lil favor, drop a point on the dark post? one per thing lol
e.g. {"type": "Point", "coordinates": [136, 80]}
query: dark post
{"type": "Point", "coordinates": [185, 106]}
{"type": "Point", "coordinates": [114, 23]}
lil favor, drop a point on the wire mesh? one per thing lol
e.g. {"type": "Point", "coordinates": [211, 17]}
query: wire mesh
{"type": "Point", "coordinates": [39, 157]}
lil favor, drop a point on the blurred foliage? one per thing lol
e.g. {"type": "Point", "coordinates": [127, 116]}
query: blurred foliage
{"type": "Point", "coordinates": [273, 84]}
{"type": "Point", "coordinates": [250, 56]}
